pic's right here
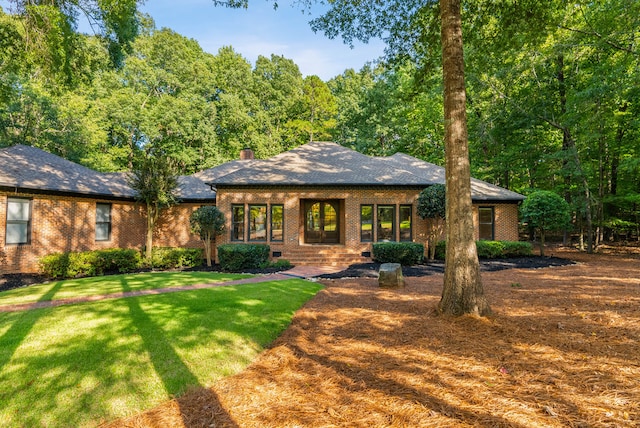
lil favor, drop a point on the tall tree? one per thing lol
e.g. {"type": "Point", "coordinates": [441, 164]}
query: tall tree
{"type": "Point", "coordinates": [154, 178]}
{"type": "Point", "coordinates": [462, 292]}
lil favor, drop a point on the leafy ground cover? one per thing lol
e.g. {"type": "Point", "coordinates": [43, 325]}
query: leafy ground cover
{"type": "Point", "coordinates": [84, 364]}
{"type": "Point", "coordinates": [561, 350]}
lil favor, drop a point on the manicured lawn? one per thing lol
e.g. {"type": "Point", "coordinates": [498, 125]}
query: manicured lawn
{"type": "Point", "coordinates": [110, 284]}
{"type": "Point", "coordinates": [83, 364]}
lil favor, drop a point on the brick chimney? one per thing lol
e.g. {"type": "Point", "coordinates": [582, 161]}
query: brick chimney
{"type": "Point", "coordinates": [246, 154]}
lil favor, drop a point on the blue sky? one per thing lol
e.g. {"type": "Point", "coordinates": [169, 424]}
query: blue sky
{"type": "Point", "coordinates": [261, 30]}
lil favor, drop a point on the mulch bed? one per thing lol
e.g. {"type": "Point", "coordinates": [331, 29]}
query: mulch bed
{"type": "Point", "coordinates": [370, 270]}
{"type": "Point", "coordinates": [560, 350]}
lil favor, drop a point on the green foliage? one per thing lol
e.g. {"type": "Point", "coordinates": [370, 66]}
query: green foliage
{"type": "Point", "coordinates": [155, 180]}
{"type": "Point", "coordinates": [546, 211]}
{"type": "Point", "coordinates": [235, 257]}
{"type": "Point", "coordinates": [207, 222]}
{"type": "Point", "coordinates": [432, 202]}
{"type": "Point", "coordinates": [89, 263]}
{"type": "Point", "coordinates": [278, 264]}
{"type": "Point", "coordinates": [405, 253]}
{"type": "Point", "coordinates": [492, 249]}
{"type": "Point", "coordinates": [175, 258]}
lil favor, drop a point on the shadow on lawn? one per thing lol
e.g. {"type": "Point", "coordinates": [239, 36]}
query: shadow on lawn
{"type": "Point", "coordinates": [22, 326]}
{"type": "Point", "coordinates": [173, 372]}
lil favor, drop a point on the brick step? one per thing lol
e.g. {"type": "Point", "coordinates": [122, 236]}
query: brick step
{"type": "Point", "coordinates": [324, 255]}
{"type": "Point", "coordinates": [331, 261]}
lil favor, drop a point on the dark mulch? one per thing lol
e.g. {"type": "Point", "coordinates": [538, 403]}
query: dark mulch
{"type": "Point", "coordinates": [17, 280]}
{"type": "Point", "coordinates": [370, 270]}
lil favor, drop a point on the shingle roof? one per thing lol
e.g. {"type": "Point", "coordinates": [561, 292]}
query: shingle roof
{"type": "Point", "coordinates": [31, 168]}
{"type": "Point", "coordinates": [329, 164]}
{"type": "Point", "coordinates": [313, 164]}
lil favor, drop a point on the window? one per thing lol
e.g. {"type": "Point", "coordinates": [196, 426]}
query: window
{"type": "Point", "coordinates": [237, 222]}
{"type": "Point", "coordinates": [366, 223]}
{"type": "Point", "coordinates": [103, 222]}
{"type": "Point", "coordinates": [405, 222]}
{"type": "Point", "coordinates": [386, 223]}
{"type": "Point", "coordinates": [277, 223]}
{"type": "Point", "coordinates": [257, 222]}
{"type": "Point", "coordinates": [485, 221]}
{"type": "Point", "coordinates": [18, 221]}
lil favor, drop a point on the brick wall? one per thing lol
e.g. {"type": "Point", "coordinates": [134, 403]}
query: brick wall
{"type": "Point", "coordinates": [350, 247]}
{"type": "Point", "coordinates": [62, 223]}
{"type": "Point", "coordinates": [505, 220]}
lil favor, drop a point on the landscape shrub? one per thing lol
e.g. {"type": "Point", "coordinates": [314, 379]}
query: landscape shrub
{"type": "Point", "coordinates": [117, 259]}
{"type": "Point", "coordinates": [89, 263]}
{"type": "Point", "coordinates": [235, 257]}
{"type": "Point", "coordinates": [493, 249]}
{"type": "Point", "coordinates": [490, 249]}
{"type": "Point", "coordinates": [405, 253]}
{"type": "Point", "coordinates": [279, 264]}
{"type": "Point", "coordinates": [54, 265]}
{"type": "Point", "coordinates": [175, 258]}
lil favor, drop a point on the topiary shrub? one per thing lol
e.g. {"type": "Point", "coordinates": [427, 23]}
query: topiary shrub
{"type": "Point", "coordinates": [235, 257]}
{"type": "Point", "coordinates": [405, 253]}
{"type": "Point", "coordinates": [175, 258]}
{"type": "Point", "coordinates": [493, 249]}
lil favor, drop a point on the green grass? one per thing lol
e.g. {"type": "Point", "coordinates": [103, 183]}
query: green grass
{"type": "Point", "coordinates": [109, 284]}
{"type": "Point", "coordinates": [84, 364]}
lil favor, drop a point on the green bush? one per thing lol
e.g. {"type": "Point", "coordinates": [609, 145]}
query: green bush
{"type": "Point", "coordinates": [89, 263]}
{"type": "Point", "coordinates": [279, 264]}
{"type": "Point", "coordinates": [493, 249]}
{"type": "Point", "coordinates": [118, 259]}
{"type": "Point", "coordinates": [174, 258]}
{"type": "Point", "coordinates": [517, 248]}
{"type": "Point", "coordinates": [235, 257]}
{"type": "Point", "coordinates": [405, 253]}
{"type": "Point", "coordinates": [54, 265]}
{"type": "Point", "coordinates": [490, 249]}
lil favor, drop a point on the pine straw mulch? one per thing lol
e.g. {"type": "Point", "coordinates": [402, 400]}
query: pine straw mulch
{"type": "Point", "coordinates": [561, 350]}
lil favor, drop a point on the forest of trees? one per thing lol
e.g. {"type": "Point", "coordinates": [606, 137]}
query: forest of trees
{"type": "Point", "coordinates": [556, 109]}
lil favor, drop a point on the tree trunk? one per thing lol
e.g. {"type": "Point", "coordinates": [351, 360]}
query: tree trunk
{"type": "Point", "coordinates": [462, 292]}
{"type": "Point", "coordinates": [151, 222]}
{"type": "Point", "coordinates": [207, 250]}
{"type": "Point", "coordinates": [542, 242]}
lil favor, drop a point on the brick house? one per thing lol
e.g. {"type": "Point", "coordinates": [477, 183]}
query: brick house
{"type": "Point", "coordinates": [318, 203]}
{"type": "Point", "coordinates": [324, 203]}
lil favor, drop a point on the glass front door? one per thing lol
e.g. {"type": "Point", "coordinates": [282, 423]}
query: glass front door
{"type": "Point", "coordinates": [322, 222]}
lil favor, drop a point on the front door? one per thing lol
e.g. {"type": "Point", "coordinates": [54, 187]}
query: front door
{"type": "Point", "coordinates": [322, 224]}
